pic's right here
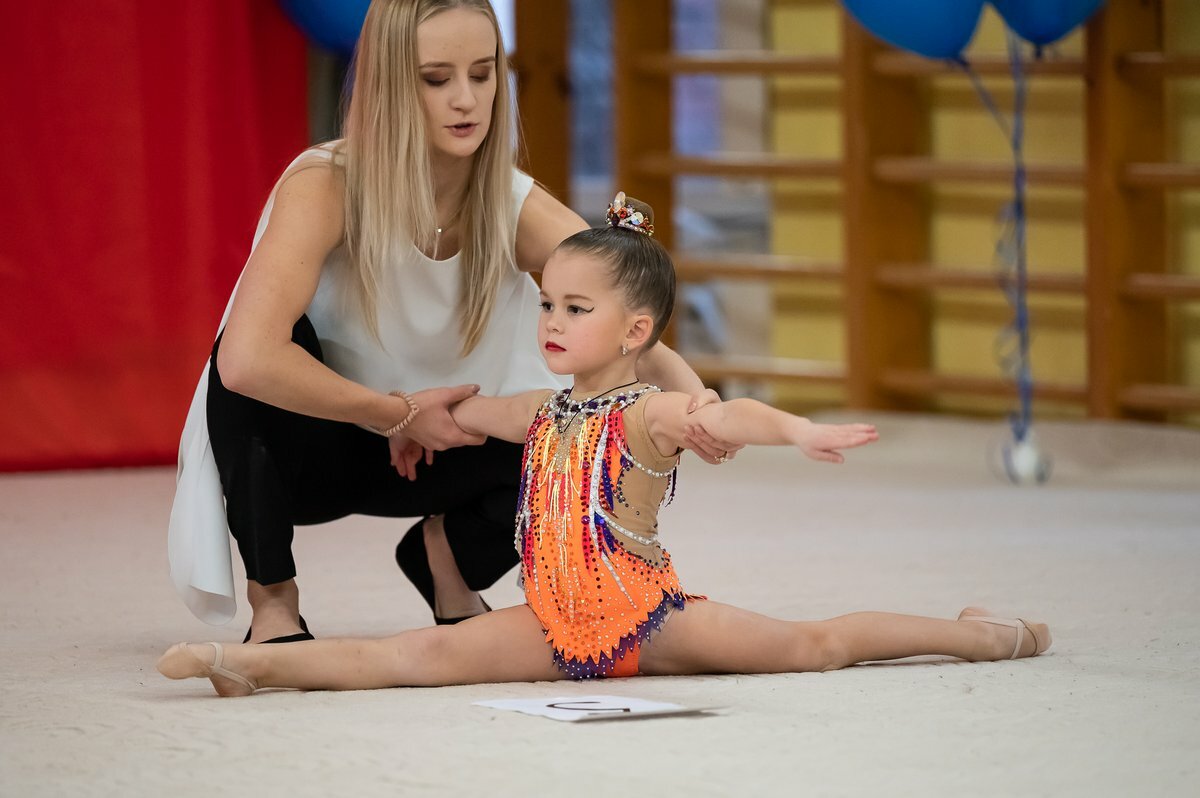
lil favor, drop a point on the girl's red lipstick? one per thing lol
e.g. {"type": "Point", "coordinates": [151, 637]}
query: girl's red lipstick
{"type": "Point", "coordinates": [553, 347]}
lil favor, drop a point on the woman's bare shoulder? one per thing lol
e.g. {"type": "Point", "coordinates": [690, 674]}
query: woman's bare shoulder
{"type": "Point", "coordinates": [311, 193]}
{"type": "Point", "coordinates": [316, 175]}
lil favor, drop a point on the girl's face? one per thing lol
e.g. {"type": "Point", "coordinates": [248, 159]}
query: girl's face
{"type": "Point", "coordinates": [584, 320]}
{"type": "Point", "coordinates": [456, 50]}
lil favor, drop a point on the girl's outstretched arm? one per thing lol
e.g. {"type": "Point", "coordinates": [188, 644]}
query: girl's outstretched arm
{"type": "Point", "coordinates": [504, 417]}
{"type": "Point", "coordinates": [746, 421]}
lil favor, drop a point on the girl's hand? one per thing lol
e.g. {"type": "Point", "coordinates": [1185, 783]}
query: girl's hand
{"type": "Point", "coordinates": [822, 441]}
{"type": "Point", "coordinates": [434, 428]}
{"type": "Point", "coordinates": [711, 450]}
{"type": "Point", "coordinates": [406, 453]}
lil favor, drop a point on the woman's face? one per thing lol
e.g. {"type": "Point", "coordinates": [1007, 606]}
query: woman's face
{"type": "Point", "coordinates": [456, 50]}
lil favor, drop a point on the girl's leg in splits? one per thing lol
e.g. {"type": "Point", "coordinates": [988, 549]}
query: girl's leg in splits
{"type": "Point", "coordinates": [507, 645]}
{"type": "Point", "coordinates": [708, 637]}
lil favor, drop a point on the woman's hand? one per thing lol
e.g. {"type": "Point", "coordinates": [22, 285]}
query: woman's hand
{"type": "Point", "coordinates": [711, 450]}
{"type": "Point", "coordinates": [406, 453]}
{"type": "Point", "coordinates": [433, 428]}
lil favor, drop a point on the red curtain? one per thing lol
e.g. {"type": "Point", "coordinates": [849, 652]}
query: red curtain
{"type": "Point", "coordinates": [141, 141]}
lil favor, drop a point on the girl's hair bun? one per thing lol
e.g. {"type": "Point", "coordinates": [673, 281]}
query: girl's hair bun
{"type": "Point", "coordinates": [630, 214]}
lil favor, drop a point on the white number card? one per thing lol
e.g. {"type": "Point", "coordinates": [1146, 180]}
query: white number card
{"type": "Point", "coordinates": [591, 707]}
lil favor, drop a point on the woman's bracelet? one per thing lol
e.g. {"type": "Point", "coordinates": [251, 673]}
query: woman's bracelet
{"type": "Point", "coordinates": [412, 413]}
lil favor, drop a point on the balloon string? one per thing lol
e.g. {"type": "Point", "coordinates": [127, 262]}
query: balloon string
{"type": "Point", "coordinates": [989, 102]}
{"type": "Point", "coordinates": [1012, 343]}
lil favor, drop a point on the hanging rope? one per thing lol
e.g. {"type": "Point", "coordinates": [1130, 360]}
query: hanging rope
{"type": "Point", "coordinates": [1022, 460]}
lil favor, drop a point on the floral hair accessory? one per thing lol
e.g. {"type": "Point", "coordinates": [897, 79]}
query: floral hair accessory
{"type": "Point", "coordinates": [622, 214]}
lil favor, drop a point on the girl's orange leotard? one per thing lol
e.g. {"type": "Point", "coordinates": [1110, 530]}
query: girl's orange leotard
{"type": "Point", "coordinates": [593, 571]}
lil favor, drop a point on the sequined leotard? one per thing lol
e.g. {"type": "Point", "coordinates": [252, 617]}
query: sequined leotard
{"type": "Point", "coordinates": [592, 568]}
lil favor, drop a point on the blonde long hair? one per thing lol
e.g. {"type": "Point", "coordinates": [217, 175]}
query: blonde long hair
{"type": "Point", "coordinates": [389, 199]}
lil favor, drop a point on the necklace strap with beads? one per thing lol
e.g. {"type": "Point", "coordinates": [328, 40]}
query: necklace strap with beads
{"type": "Point", "coordinates": [562, 403]}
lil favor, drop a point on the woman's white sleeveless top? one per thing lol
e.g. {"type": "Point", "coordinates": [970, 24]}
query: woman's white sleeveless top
{"type": "Point", "coordinates": [419, 347]}
{"type": "Point", "coordinates": [418, 315]}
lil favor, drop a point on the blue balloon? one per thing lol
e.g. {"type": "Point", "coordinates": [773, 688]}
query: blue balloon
{"type": "Point", "coordinates": [933, 28]}
{"type": "Point", "coordinates": [333, 24]}
{"type": "Point", "coordinates": [1044, 21]}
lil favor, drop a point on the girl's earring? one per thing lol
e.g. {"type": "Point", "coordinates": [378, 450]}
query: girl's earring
{"type": "Point", "coordinates": [624, 350]}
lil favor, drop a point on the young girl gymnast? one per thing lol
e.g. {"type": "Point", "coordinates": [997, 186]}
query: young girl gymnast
{"type": "Point", "coordinates": [602, 597]}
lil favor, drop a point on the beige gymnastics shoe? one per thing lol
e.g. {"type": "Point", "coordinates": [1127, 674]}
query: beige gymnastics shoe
{"type": "Point", "coordinates": [181, 662]}
{"type": "Point", "coordinates": [1040, 632]}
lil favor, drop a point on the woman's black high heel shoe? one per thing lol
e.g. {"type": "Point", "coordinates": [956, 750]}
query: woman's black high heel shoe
{"type": "Point", "coordinates": [302, 635]}
{"type": "Point", "coordinates": [450, 621]}
{"type": "Point", "coordinates": [413, 560]}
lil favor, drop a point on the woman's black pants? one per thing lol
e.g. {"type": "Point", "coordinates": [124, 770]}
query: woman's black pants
{"type": "Point", "coordinates": [279, 469]}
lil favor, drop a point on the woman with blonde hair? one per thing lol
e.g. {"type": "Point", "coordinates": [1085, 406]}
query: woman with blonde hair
{"type": "Point", "coordinates": [385, 263]}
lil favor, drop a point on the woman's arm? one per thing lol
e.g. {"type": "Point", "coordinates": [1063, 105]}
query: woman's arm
{"type": "Point", "coordinates": [662, 366]}
{"type": "Point", "coordinates": [257, 357]}
{"type": "Point", "coordinates": [504, 417]}
{"type": "Point", "coordinates": [543, 224]}
{"type": "Point", "coordinates": [746, 421]}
